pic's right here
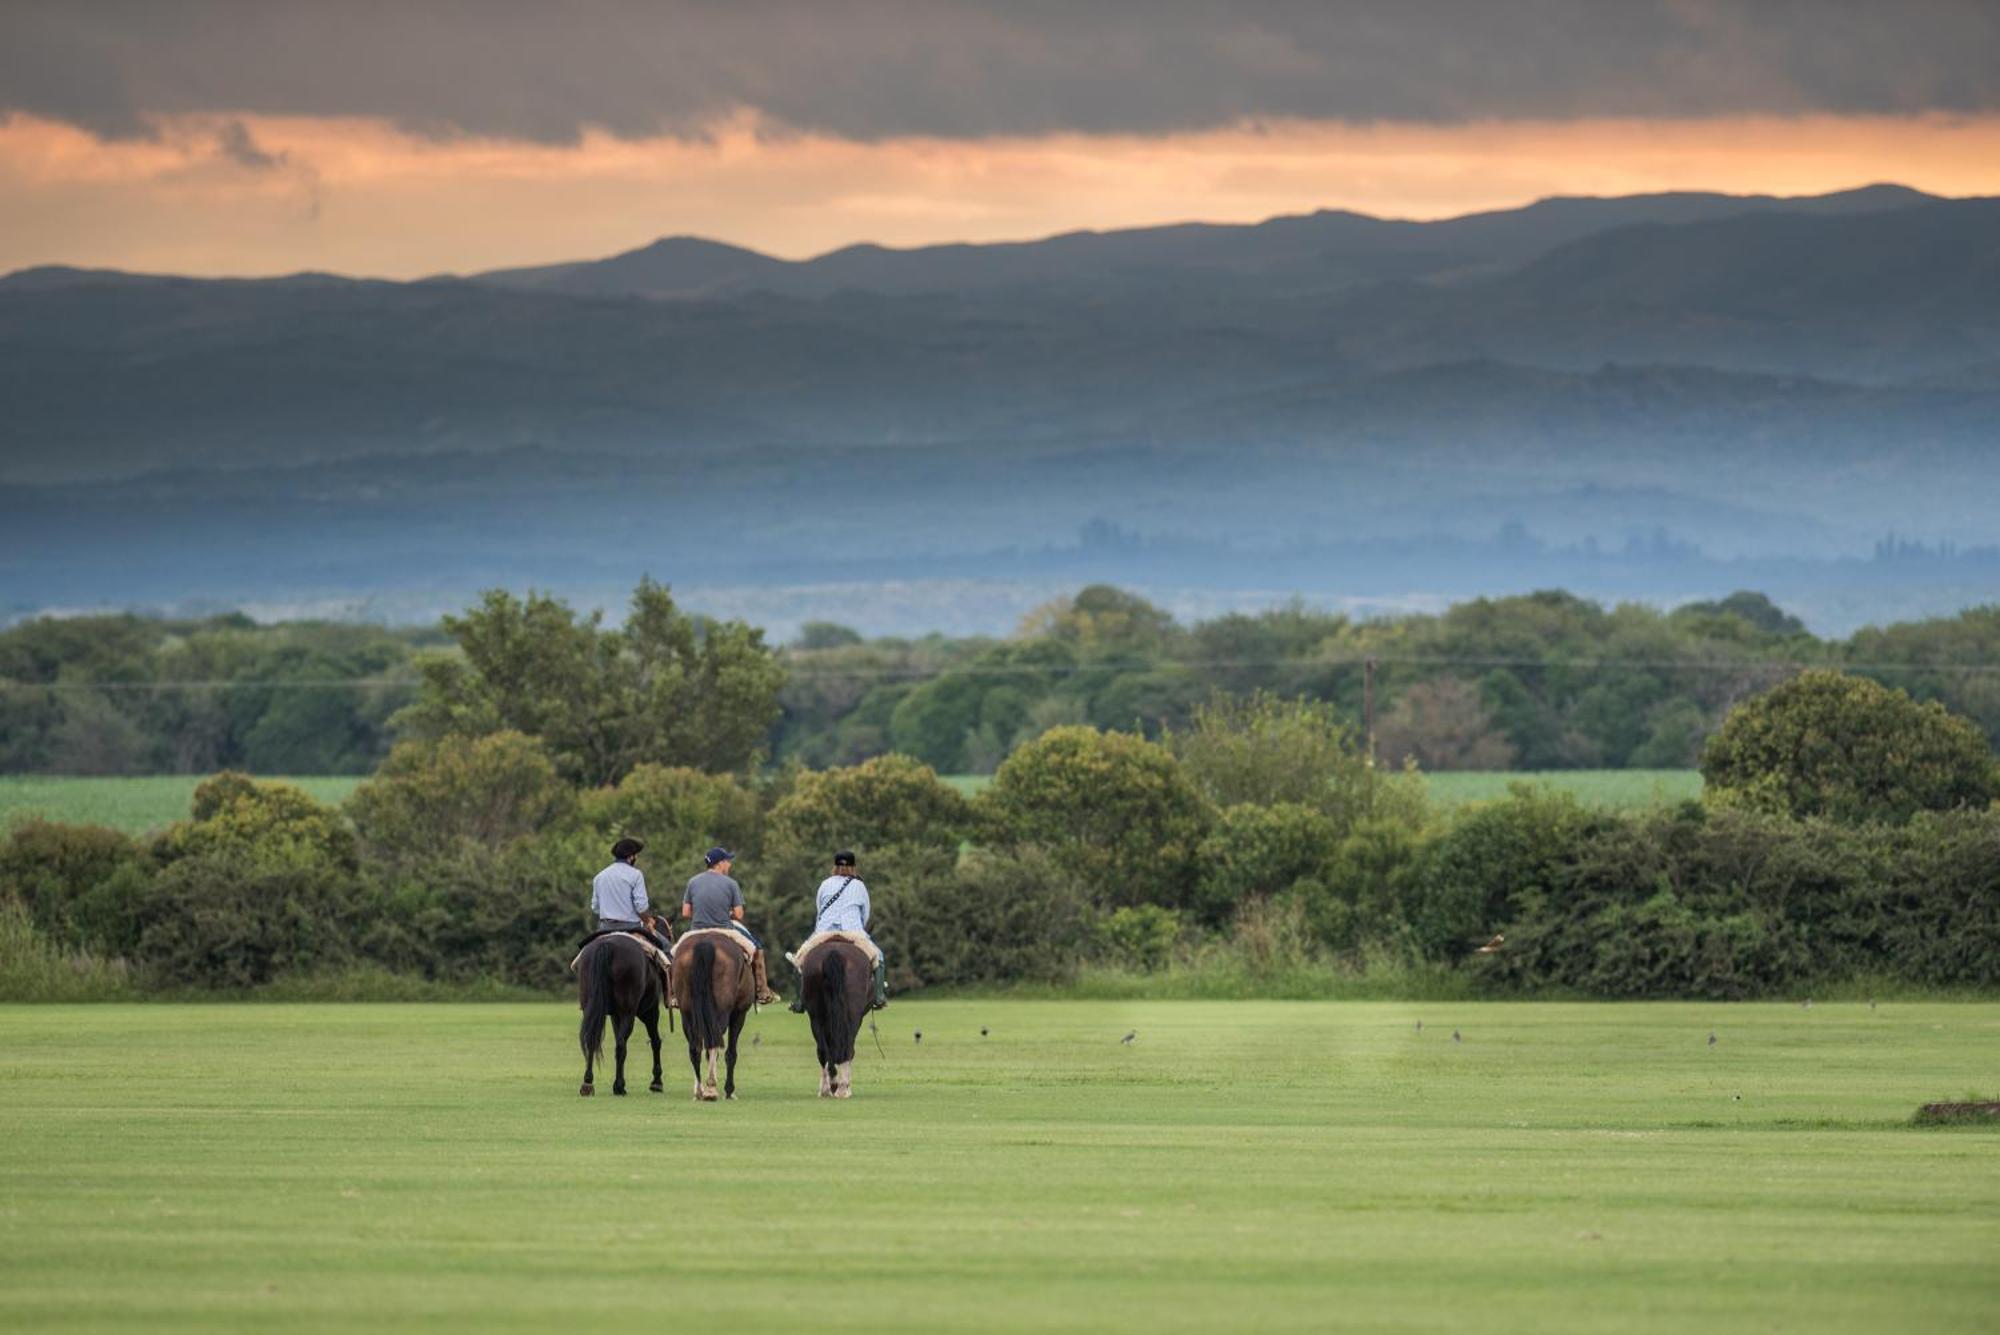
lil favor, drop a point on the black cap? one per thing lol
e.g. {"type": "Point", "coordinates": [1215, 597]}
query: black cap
{"type": "Point", "coordinates": [627, 848]}
{"type": "Point", "coordinates": [719, 854]}
{"type": "Point", "coordinates": [844, 858]}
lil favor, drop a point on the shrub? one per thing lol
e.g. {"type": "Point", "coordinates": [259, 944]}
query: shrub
{"type": "Point", "coordinates": [232, 918]}
{"type": "Point", "coordinates": [1115, 808]}
{"type": "Point", "coordinates": [436, 795]}
{"type": "Point", "coordinates": [77, 883]}
{"type": "Point", "coordinates": [994, 917]}
{"type": "Point", "coordinates": [278, 824]}
{"type": "Point", "coordinates": [1266, 750]}
{"type": "Point", "coordinates": [1141, 937]}
{"type": "Point", "coordinates": [1477, 874]}
{"type": "Point", "coordinates": [1827, 744]}
{"type": "Point", "coordinates": [1260, 850]}
{"type": "Point", "coordinates": [678, 812]}
{"type": "Point", "coordinates": [32, 968]}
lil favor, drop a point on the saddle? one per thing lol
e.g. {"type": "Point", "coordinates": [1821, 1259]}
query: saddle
{"type": "Point", "coordinates": [660, 958]}
{"type": "Point", "coordinates": [811, 943]}
{"type": "Point", "coordinates": [736, 939]}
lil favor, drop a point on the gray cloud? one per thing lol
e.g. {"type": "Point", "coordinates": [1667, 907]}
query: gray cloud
{"type": "Point", "coordinates": [869, 69]}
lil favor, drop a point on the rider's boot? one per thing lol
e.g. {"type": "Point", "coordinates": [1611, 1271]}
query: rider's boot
{"type": "Point", "coordinates": [880, 977]}
{"type": "Point", "coordinates": [765, 996]}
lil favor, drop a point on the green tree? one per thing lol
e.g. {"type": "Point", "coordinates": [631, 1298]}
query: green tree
{"type": "Point", "coordinates": [663, 688]}
{"type": "Point", "coordinates": [1850, 749]}
{"type": "Point", "coordinates": [1117, 808]}
{"type": "Point", "coordinates": [431, 797]}
{"type": "Point", "coordinates": [1266, 750]}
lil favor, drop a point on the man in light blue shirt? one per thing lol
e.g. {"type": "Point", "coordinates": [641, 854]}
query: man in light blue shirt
{"type": "Point", "coordinates": [841, 905]}
{"type": "Point", "coordinates": [618, 895]}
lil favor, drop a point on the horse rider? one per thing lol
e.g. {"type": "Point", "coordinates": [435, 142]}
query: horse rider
{"type": "Point", "coordinates": [714, 899]}
{"type": "Point", "coordinates": [618, 896]}
{"type": "Point", "coordinates": [841, 905]}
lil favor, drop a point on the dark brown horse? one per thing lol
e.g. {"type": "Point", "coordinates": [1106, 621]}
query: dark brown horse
{"type": "Point", "coordinates": [714, 989]}
{"type": "Point", "coordinates": [615, 978]}
{"type": "Point", "coordinates": [836, 982]}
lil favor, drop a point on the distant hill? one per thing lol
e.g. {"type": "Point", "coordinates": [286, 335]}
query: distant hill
{"type": "Point", "coordinates": [1321, 251]}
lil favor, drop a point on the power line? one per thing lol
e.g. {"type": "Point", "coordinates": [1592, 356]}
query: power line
{"type": "Point", "coordinates": [807, 672]}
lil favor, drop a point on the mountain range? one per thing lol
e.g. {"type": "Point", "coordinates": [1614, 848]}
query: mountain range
{"type": "Point", "coordinates": [1760, 377]}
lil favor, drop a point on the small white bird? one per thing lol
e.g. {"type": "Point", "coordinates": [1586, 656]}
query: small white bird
{"type": "Point", "coordinates": [1491, 946]}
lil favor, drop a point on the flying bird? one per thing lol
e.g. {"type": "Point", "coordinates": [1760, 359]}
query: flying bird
{"type": "Point", "coordinates": [1129, 1037]}
{"type": "Point", "coordinates": [1491, 946]}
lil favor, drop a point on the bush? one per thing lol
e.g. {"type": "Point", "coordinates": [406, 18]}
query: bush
{"type": "Point", "coordinates": [994, 917]}
{"type": "Point", "coordinates": [1265, 750]}
{"type": "Point", "coordinates": [229, 918]}
{"type": "Point", "coordinates": [1140, 938]}
{"type": "Point", "coordinates": [278, 824]}
{"type": "Point", "coordinates": [430, 797]}
{"type": "Point", "coordinates": [678, 813]}
{"type": "Point", "coordinates": [1493, 856]}
{"type": "Point", "coordinates": [1260, 851]}
{"type": "Point", "coordinates": [32, 968]}
{"type": "Point", "coordinates": [1115, 808]}
{"type": "Point", "coordinates": [77, 883]}
{"type": "Point", "coordinates": [1850, 749]}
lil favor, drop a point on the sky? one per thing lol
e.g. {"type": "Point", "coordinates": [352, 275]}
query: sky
{"type": "Point", "coordinates": [237, 137]}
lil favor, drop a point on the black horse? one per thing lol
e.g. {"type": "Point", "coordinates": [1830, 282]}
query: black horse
{"type": "Point", "coordinates": [616, 978]}
{"type": "Point", "coordinates": [837, 988]}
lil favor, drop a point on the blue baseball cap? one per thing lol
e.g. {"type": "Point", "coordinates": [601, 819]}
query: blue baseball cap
{"type": "Point", "coordinates": [719, 854]}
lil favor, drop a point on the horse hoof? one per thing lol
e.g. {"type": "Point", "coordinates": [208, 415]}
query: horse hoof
{"type": "Point", "coordinates": [843, 1093]}
{"type": "Point", "coordinates": [730, 1097]}
{"type": "Point", "coordinates": [586, 1091]}
{"type": "Point", "coordinates": [656, 1087]}
{"type": "Point", "coordinates": [618, 1090]}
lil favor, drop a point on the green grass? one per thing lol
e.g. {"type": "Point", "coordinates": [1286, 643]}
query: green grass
{"type": "Point", "coordinates": [1621, 788]}
{"type": "Point", "coordinates": [136, 805]}
{"type": "Point", "coordinates": [1626, 789]}
{"type": "Point", "coordinates": [1239, 1166]}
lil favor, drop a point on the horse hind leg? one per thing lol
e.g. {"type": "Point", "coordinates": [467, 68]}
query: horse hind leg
{"type": "Point", "coordinates": [735, 1033]}
{"type": "Point", "coordinates": [652, 1022]}
{"type": "Point", "coordinates": [621, 1029]}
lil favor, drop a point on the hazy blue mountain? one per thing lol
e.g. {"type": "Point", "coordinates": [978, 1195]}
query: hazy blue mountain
{"type": "Point", "coordinates": [1321, 251]}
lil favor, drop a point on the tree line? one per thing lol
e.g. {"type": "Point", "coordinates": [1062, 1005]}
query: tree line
{"type": "Point", "coordinates": [1539, 681]}
{"type": "Point", "coordinates": [1848, 835]}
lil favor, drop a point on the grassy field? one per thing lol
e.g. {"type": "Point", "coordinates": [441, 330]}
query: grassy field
{"type": "Point", "coordinates": [1237, 1166]}
{"type": "Point", "coordinates": [142, 804]}
{"type": "Point", "coordinates": [134, 804]}
{"type": "Point", "coordinates": [1622, 788]}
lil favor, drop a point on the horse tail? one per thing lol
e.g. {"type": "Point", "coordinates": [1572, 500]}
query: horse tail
{"type": "Point", "coordinates": [839, 1022]}
{"type": "Point", "coordinates": [704, 1019]}
{"type": "Point", "coordinates": [596, 998]}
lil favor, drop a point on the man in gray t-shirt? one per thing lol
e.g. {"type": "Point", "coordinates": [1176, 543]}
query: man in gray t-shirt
{"type": "Point", "coordinates": [713, 899]}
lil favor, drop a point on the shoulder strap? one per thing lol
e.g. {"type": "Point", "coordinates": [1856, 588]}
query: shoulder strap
{"type": "Point", "coordinates": [836, 897]}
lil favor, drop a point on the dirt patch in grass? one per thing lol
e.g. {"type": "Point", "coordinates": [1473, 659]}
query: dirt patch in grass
{"type": "Point", "coordinates": [1959, 1114]}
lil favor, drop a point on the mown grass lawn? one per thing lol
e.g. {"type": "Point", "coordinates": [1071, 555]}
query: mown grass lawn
{"type": "Point", "coordinates": [1237, 1166]}
{"type": "Point", "coordinates": [132, 803]}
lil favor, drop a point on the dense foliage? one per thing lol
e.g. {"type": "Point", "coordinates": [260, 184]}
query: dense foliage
{"type": "Point", "coordinates": [1825, 744]}
{"type": "Point", "coordinates": [1541, 681]}
{"type": "Point", "coordinates": [467, 860]}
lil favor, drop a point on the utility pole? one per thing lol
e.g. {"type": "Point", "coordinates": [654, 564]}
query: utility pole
{"type": "Point", "coordinates": [1368, 707]}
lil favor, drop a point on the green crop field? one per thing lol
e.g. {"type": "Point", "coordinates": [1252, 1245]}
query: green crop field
{"type": "Point", "coordinates": [1236, 1166]}
{"type": "Point", "coordinates": [1624, 788]}
{"type": "Point", "coordinates": [134, 804]}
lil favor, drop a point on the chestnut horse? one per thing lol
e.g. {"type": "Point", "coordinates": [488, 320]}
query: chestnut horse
{"type": "Point", "coordinates": [615, 977]}
{"type": "Point", "coordinates": [837, 989]}
{"type": "Point", "coordinates": [710, 984]}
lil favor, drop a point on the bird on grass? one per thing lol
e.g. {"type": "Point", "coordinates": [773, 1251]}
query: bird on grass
{"type": "Point", "coordinates": [1420, 1026]}
{"type": "Point", "coordinates": [1711, 1039]}
{"type": "Point", "coordinates": [982, 1031]}
{"type": "Point", "coordinates": [1455, 1038]}
{"type": "Point", "coordinates": [1871, 1003]}
{"type": "Point", "coordinates": [1129, 1037]}
{"type": "Point", "coordinates": [756, 1040]}
{"type": "Point", "coordinates": [920, 1035]}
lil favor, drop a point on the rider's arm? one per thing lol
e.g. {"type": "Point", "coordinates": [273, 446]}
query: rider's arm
{"type": "Point", "coordinates": [687, 909]}
{"type": "Point", "coordinates": [737, 913]}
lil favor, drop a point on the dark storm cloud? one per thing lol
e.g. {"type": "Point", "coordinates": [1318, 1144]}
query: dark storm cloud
{"type": "Point", "coordinates": [959, 68]}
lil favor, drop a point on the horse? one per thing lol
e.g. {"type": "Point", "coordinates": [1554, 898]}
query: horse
{"type": "Point", "coordinates": [615, 977]}
{"type": "Point", "coordinates": [709, 985]}
{"type": "Point", "coordinates": [837, 989]}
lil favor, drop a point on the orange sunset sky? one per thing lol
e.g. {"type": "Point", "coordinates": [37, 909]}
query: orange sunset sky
{"type": "Point", "coordinates": [218, 138]}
